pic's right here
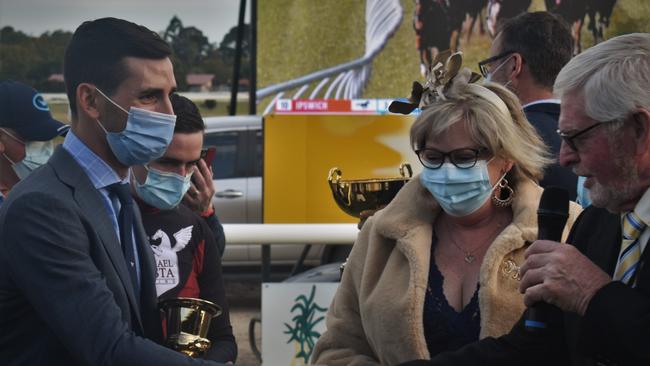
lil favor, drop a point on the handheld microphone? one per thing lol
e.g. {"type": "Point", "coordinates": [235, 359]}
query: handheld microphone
{"type": "Point", "coordinates": [552, 215]}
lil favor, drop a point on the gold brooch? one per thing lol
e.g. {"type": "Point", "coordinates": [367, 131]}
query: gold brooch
{"type": "Point", "coordinates": [510, 269]}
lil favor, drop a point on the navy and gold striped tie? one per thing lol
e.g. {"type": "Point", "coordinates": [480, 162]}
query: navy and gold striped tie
{"type": "Point", "coordinates": [628, 258]}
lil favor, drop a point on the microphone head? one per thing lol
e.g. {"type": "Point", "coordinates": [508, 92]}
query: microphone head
{"type": "Point", "coordinates": [552, 213]}
{"type": "Point", "coordinates": [555, 200]}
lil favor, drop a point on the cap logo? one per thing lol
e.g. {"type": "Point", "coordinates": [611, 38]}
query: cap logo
{"type": "Point", "coordinates": [39, 103]}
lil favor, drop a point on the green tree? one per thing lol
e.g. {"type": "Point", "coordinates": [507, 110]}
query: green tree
{"type": "Point", "coordinates": [228, 46]}
{"type": "Point", "coordinates": [32, 59]}
{"type": "Point", "coordinates": [190, 49]}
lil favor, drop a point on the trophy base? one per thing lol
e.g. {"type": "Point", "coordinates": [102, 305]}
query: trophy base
{"type": "Point", "coordinates": [189, 344]}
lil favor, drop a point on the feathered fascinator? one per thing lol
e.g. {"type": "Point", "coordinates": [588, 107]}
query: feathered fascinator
{"type": "Point", "coordinates": [444, 76]}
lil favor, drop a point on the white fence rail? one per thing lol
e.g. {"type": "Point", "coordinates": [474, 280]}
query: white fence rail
{"type": "Point", "coordinates": [299, 234]}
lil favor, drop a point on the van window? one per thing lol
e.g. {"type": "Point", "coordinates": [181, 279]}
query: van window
{"type": "Point", "coordinates": [229, 160]}
{"type": "Point", "coordinates": [258, 158]}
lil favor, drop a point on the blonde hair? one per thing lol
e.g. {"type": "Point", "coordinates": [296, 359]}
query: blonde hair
{"type": "Point", "coordinates": [495, 120]}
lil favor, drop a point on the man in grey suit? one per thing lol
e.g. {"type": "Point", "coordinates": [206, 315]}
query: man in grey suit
{"type": "Point", "coordinates": [76, 270]}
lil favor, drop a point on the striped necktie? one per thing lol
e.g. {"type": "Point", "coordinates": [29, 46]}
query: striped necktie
{"type": "Point", "coordinates": [628, 259]}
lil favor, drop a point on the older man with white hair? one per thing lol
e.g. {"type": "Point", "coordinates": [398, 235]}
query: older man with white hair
{"type": "Point", "coordinates": [599, 285]}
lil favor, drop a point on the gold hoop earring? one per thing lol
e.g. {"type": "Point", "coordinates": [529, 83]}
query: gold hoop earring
{"type": "Point", "coordinates": [504, 189]}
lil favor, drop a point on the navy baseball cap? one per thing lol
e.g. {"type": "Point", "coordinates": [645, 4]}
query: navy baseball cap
{"type": "Point", "coordinates": [25, 111]}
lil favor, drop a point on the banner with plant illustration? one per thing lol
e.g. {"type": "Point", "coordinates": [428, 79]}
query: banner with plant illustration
{"type": "Point", "coordinates": [293, 318]}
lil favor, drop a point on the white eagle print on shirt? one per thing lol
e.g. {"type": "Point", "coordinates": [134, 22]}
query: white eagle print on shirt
{"type": "Point", "coordinates": [167, 257]}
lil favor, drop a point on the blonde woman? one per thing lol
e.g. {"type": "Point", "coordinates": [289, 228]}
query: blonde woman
{"type": "Point", "coordinates": [438, 267]}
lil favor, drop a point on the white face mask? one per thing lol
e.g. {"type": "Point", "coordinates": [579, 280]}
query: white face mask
{"type": "Point", "coordinates": [492, 72]}
{"type": "Point", "coordinates": [37, 153]}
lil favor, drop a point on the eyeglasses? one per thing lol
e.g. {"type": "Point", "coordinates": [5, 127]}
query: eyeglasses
{"type": "Point", "coordinates": [570, 138]}
{"type": "Point", "coordinates": [461, 158]}
{"type": "Point", "coordinates": [483, 65]}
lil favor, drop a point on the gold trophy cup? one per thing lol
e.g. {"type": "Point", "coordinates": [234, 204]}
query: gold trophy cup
{"type": "Point", "coordinates": [354, 196]}
{"type": "Point", "coordinates": [187, 321]}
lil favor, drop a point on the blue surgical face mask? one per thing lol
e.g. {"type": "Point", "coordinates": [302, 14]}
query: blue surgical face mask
{"type": "Point", "coordinates": [145, 137]}
{"type": "Point", "coordinates": [163, 190]}
{"type": "Point", "coordinates": [583, 198]}
{"type": "Point", "coordinates": [459, 192]}
{"type": "Point", "coordinates": [37, 153]}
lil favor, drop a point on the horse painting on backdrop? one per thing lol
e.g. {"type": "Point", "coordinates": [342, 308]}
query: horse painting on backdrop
{"type": "Point", "coordinates": [574, 12]}
{"type": "Point", "coordinates": [432, 30]}
{"type": "Point", "coordinates": [500, 10]}
{"type": "Point", "coordinates": [439, 25]}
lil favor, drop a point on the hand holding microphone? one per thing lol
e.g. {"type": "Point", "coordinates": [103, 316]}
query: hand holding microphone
{"type": "Point", "coordinates": [554, 273]}
{"type": "Point", "coordinates": [552, 215]}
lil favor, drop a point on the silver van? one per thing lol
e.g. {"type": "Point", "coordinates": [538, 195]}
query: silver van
{"type": "Point", "coordinates": [238, 170]}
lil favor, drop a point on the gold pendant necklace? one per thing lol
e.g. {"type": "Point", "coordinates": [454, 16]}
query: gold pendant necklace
{"type": "Point", "coordinates": [469, 255]}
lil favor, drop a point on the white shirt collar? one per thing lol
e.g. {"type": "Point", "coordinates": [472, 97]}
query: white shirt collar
{"type": "Point", "coordinates": [642, 208]}
{"type": "Point", "coordinates": [554, 101]}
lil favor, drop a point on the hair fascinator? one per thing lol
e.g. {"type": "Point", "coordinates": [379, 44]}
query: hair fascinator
{"type": "Point", "coordinates": [444, 76]}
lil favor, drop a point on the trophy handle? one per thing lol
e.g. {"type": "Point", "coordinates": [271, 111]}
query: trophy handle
{"type": "Point", "coordinates": [345, 190]}
{"type": "Point", "coordinates": [402, 168]}
{"type": "Point", "coordinates": [334, 175]}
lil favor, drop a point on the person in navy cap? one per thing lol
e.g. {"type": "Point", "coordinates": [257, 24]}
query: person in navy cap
{"type": "Point", "coordinates": [27, 130]}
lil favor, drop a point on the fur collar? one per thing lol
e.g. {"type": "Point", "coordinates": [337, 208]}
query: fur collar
{"type": "Point", "coordinates": [414, 207]}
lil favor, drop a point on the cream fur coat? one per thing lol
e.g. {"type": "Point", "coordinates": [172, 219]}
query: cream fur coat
{"type": "Point", "coordinates": [376, 315]}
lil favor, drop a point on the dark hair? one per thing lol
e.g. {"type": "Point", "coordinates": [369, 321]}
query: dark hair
{"type": "Point", "coordinates": [188, 117]}
{"type": "Point", "coordinates": [97, 48]}
{"type": "Point", "coordinates": [543, 40]}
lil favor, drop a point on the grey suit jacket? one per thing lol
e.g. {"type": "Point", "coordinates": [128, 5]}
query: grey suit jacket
{"type": "Point", "coordinates": [65, 293]}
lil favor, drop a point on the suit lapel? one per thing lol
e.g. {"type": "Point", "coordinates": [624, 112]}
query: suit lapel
{"type": "Point", "coordinates": [92, 206]}
{"type": "Point", "coordinates": [605, 252]}
{"type": "Point", "coordinates": [149, 296]}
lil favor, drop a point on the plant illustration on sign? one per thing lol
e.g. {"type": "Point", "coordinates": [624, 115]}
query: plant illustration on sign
{"type": "Point", "coordinates": [302, 332]}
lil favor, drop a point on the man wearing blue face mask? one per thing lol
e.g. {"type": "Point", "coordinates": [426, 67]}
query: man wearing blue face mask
{"type": "Point", "coordinates": [526, 56]}
{"type": "Point", "coordinates": [77, 276]}
{"type": "Point", "coordinates": [186, 252]}
{"type": "Point", "coordinates": [27, 130]}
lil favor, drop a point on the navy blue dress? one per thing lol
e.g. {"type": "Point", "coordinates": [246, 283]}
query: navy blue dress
{"type": "Point", "coordinates": [444, 328]}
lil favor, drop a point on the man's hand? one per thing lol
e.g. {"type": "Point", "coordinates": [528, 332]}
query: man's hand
{"type": "Point", "coordinates": [199, 196]}
{"type": "Point", "coordinates": [559, 274]}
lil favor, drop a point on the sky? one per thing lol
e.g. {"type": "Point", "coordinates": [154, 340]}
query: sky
{"type": "Point", "coordinates": [213, 17]}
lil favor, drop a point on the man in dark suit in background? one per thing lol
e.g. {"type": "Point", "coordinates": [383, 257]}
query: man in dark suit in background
{"type": "Point", "coordinates": [76, 270]}
{"type": "Point", "coordinates": [526, 56]}
{"type": "Point", "coordinates": [601, 283]}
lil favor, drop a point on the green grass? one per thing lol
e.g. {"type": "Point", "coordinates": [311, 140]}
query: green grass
{"type": "Point", "coordinates": [297, 37]}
